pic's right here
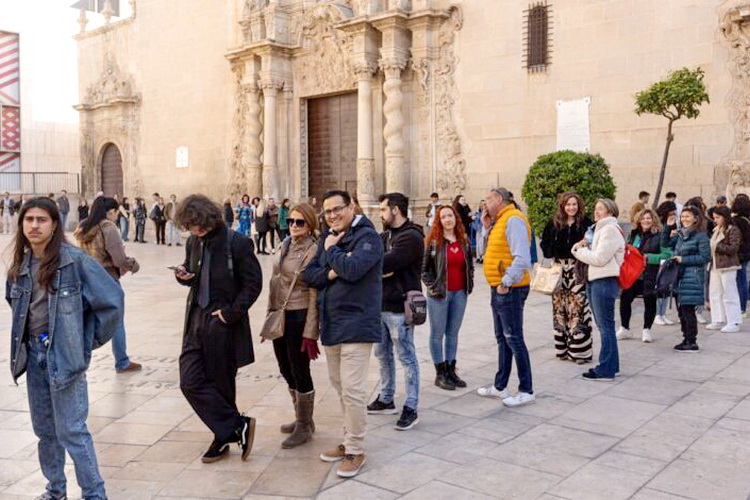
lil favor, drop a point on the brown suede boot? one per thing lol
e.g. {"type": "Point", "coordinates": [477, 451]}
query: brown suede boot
{"type": "Point", "coordinates": [289, 428]}
{"type": "Point", "coordinates": [303, 428]}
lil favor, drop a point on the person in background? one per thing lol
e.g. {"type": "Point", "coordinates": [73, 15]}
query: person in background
{"type": "Point", "coordinates": [646, 236]}
{"type": "Point", "coordinates": [124, 218]}
{"type": "Point", "coordinates": [63, 305]}
{"type": "Point", "coordinates": [480, 231]}
{"type": "Point", "coordinates": [173, 233]}
{"type": "Point", "coordinates": [741, 219]}
{"type": "Point", "coordinates": [667, 211]}
{"type": "Point", "coordinates": [140, 215]}
{"type": "Point", "coordinates": [638, 207]}
{"type": "Point", "coordinates": [672, 196]}
{"type": "Point", "coordinates": [298, 344]}
{"type": "Point", "coordinates": [160, 222]}
{"type": "Point", "coordinates": [430, 213]}
{"type": "Point", "coordinates": [83, 209]}
{"type": "Point", "coordinates": [462, 208]}
{"type": "Point", "coordinates": [261, 226]}
{"type": "Point", "coordinates": [704, 224]}
{"type": "Point", "coordinates": [7, 206]}
{"type": "Point", "coordinates": [357, 208]}
{"type": "Point", "coordinates": [571, 314]}
{"type": "Point", "coordinates": [283, 214]}
{"type": "Point", "coordinates": [63, 203]}
{"type": "Point", "coordinates": [448, 275]}
{"type": "Point", "coordinates": [244, 216]}
{"type": "Point", "coordinates": [721, 201]}
{"type": "Point", "coordinates": [725, 261]}
{"type": "Point", "coordinates": [692, 251]}
{"type": "Point", "coordinates": [604, 253]}
{"type": "Point", "coordinates": [273, 222]}
{"type": "Point", "coordinates": [99, 237]}
{"type": "Point", "coordinates": [228, 213]}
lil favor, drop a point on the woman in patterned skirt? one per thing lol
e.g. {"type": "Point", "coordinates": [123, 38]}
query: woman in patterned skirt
{"type": "Point", "coordinates": [570, 308]}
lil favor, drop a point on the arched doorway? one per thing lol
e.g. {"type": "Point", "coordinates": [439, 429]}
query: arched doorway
{"type": "Point", "coordinates": [111, 171]}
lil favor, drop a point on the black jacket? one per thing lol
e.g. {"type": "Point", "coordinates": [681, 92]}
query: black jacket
{"type": "Point", "coordinates": [743, 224]}
{"type": "Point", "coordinates": [434, 272]}
{"type": "Point", "coordinates": [464, 213]}
{"type": "Point", "coordinates": [349, 306]}
{"type": "Point", "coordinates": [556, 243]}
{"type": "Point", "coordinates": [403, 248]}
{"type": "Point", "coordinates": [233, 296]}
{"type": "Point", "coordinates": [649, 244]}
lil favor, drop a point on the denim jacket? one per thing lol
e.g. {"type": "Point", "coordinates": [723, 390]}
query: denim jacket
{"type": "Point", "coordinates": [83, 314]}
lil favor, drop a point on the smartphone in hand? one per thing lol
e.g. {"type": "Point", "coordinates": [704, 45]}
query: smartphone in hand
{"type": "Point", "coordinates": [173, 268]}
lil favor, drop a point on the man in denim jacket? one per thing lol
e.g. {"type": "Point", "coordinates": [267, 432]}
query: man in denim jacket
{"type": "Point", "coordinates": [64, 306]}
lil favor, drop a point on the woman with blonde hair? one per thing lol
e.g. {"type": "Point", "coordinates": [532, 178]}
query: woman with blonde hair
{"type": "Point", "coordinates": [298, 343]}
{"type": "Point", "coordinates": [646, 237]}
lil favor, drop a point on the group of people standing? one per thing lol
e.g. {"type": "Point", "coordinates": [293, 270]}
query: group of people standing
{"type": "Point", "coordinates": [257, 219]}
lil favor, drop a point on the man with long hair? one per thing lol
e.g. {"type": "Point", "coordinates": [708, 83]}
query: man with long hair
{"type": "Point", "coordinates": [225, 279]}
{"type": "Point", "coordinates": [64, 306]}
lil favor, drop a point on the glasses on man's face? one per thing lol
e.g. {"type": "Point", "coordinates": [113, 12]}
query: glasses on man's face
{"type": "Point", "coordinates": [296, 222]}
{"type": "Point", "coordinates": [334, 212]}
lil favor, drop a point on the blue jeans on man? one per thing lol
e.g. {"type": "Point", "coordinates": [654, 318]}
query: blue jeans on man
{"type": "Point", "coordinates": [742, 286]}
{"type": "Point", "coordinates": [602, 294]}
{"type": "Point", "coordinates": [58, 417]}
{"type": "Point", "coordinates": [64, 219]}
{"type": "Point", "coordinates": [507, 315]}
{"type": "Point", "coordinates": [124, 228]}
{"type": "Point", "coordinates": [397, 332]}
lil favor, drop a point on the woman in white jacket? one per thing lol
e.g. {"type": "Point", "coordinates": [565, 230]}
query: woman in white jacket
{"type": "Point", "coordinates": [603, 251]}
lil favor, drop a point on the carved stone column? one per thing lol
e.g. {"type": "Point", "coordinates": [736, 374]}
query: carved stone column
{"type": "Point", "coordinates": [252, 140]}
{"type": "Point", "coordinates": [270, 155]}
{"type": "Point", "coordinates": [365, 151]}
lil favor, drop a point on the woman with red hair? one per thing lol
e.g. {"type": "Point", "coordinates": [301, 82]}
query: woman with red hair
{"type": "Point", "coordinates": [448, 274]}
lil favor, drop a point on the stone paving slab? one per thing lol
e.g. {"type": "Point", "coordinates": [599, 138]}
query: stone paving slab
{"type": "Point", "coordinates": [670, 426]}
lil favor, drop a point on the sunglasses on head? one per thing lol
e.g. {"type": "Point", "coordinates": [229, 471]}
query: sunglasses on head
{"type": "Point", "coordinates": [296, 222]}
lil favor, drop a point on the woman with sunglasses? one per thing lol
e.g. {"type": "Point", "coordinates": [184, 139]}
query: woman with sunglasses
{"type": "Point", "coordinates": [299, 342]}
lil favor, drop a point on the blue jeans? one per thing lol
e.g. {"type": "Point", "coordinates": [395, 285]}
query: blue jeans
{"type": "Point", "coordinates": [661, 306]}
{"type": "Point", "coordinates": [602, 296]}
{"type": "Point", "coordinates": [64, 220]}
{"type": "Point", "coordinates": [507, 315]}
{"type": "Point", "coordinates": [397, 332]}
{"type": "Point", "coordinates": [119, 347]}
{"type": "Point", "coordinates": [124, 228]}
{"type": "Point", "coordinates": [446, 316]}
{"type": "Point", "coordinates": [742, 285]}
{"type": "Point", "coordinates": [59, 421]}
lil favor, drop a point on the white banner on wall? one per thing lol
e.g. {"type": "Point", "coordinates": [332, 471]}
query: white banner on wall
{"type": "Point", "coordinates": [573, 128]}
{"type": "Point", "coordinates": [182, 157]}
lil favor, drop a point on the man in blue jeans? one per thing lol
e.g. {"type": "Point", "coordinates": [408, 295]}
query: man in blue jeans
{"type": "Point", "coordinates": [507, 261]}
{"type": "Point", "coordinates": [403, 243]}
{"type": "Point", "coordinates": [64, 306]}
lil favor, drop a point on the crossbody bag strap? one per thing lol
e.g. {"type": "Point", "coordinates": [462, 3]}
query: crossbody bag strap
{"type": "Point", "coordinates": [296, 276]}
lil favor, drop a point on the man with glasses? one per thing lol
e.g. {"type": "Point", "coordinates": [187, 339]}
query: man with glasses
{"type": "Point", "coordinates": [347, 271]}
{"type": "Point", "coordinates": [507, 261]}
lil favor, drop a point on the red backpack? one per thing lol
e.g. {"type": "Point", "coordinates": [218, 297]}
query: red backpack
{"type": "Point", "coordinates": [632, 267]}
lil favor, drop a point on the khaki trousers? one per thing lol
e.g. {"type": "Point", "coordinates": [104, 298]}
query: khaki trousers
{"type": "Point", "coordinates": [348, 365]}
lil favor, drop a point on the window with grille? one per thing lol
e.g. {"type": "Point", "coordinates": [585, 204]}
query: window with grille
{"type": "Point", "coordinates": [537, 31]}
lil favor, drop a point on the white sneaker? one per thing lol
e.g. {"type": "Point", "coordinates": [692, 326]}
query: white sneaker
{"type": "Point", "coordinates": [490, 391]}
{"type": "Point", "coordinates": [520, 399]}
{"type": "Point", "coordinates": [623, 333]}
{"type": "Point", "coordinates": [714, 326]}
{"type": "Point", "coordinates": [668, 321]}
{"type": "Point", "coordinates": [660, 321]}
{"type": "Point", "coordinates": [701, 319]}
{"type": "Point", "coordinates": [731, 328]}
{"type": "Point", "coordinates": [647, 336]}
{"type": "Point", "coordinates": [744, 315]}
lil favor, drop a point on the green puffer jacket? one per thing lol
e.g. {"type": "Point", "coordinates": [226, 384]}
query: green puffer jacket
{"type": "Point", "coordinates": [695, 249]}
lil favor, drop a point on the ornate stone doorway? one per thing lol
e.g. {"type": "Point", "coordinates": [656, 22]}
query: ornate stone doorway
{"type": "Point", "coordinates": [332, 150]}
{"type": "Point", "coordinates": [111, 171]}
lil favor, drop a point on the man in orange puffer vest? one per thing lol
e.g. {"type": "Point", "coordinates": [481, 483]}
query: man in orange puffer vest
{"type": "Point", "coordinates": [507, 261]}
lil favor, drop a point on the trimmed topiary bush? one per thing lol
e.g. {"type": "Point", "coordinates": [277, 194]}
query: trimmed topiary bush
{"type": "Point", "coordinates": [555, 173]}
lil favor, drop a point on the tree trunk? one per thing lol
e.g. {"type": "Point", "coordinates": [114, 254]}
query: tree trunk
{"type": "Point", "coordinates": [670, 138]}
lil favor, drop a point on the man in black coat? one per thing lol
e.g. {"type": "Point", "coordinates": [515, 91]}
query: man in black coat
{"type": "Point", "coordinates": [347, 271]}
{"type": "Point", "coordinates": [225, 279]}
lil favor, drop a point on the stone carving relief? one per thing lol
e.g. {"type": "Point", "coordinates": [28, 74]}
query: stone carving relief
{"type": "Point", "coordinates": [393, 131]}
{"type": "Point", "coordinates": [237, 163]}
{"type": "Point", "coordinates": [452, 165]}
{"type": "Point", "coordinates": [734, 30]}
{"type": "Point", "coordinates": [111, 86]}
{"type": "Point", "coordinates": [324, 65]}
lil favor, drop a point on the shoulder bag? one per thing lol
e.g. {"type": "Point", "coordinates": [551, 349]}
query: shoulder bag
{"type": "Point", "coordinates": [273, 327]}
{"type": "Point", "coordinates": [546, 279]}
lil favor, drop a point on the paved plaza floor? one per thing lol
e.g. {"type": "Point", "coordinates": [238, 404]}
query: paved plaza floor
{"type": "Point", "coordinates": [671, 426]}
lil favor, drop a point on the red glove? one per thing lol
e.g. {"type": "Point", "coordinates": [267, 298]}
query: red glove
{"type": "Point", "coordinates": [311, 348]}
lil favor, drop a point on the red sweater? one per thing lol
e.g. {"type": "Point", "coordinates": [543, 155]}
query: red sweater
{"type": "Point", "coordinates": [456, 267]}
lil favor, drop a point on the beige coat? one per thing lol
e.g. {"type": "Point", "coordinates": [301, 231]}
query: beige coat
{"type": "Point", "coordinates": [103, 242]}
{"type": "Point", "coordinates": [606, 253]}
{"type": "Point", "coordinates": [294, 259]}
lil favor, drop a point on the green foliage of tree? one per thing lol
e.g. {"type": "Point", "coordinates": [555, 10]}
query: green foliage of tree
{"type": "Point", "coordinates": [680, 94]}
{"type": "Point", "coordinates": [555, 173]}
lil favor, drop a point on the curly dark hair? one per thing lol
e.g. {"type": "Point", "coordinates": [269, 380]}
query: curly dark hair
{"type": "Point", "coordinates": [201, 211]}
{"type": "Point", "coordinates": [741, 205]}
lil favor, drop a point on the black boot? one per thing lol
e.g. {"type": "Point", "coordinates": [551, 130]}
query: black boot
{"type": "Point", "coordinates": [451, 368]}
{"type": "Point", "coordinates": [442, 380]}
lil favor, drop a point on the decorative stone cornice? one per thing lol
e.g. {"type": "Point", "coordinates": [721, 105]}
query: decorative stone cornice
{"type": "Point", "coordinates": [392, 66]}
{"type": "Point", "coordinates": [365, 69]}
{"type": "Point", "coordinates": [113, 87]}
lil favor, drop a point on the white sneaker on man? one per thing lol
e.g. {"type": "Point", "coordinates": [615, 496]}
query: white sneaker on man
{"type": "Point", "coordinates": [668, 321]}
{"type": "Point", "coordinates": [490, 391]}
{"type": "Point", "coordinates": [714, 326]}
{"type": "Point", "coordinates": [700, 318]}
{"type": "Point", "coordinates": [623, 333]}
{"type": "Point", "coordinates": [731, 328]}
{"type": "Point", "coordinates": [520, 399]}
{"type": "Point", "coordinates": [660, 321]}
{"type": "Point", "coordinates": [647, 336]}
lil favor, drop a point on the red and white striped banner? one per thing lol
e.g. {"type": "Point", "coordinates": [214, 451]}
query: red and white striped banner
{"type": "Point", "coordinates": [9, 69]}
{"type": "Point", "coordinates": [10, 162]}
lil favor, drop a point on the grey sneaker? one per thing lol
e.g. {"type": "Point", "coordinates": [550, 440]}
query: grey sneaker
{"type": "Point", "coordinates": [408, 419]}
{"type": "Point", "coordinates": [48, 495]}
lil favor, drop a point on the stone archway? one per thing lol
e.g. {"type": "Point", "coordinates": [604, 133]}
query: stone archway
{"type": "Point", "coordinates": [111, 171]}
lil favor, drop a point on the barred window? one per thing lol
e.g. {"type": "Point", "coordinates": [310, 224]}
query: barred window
{"type": "Point", "coordinates": [537, 31]}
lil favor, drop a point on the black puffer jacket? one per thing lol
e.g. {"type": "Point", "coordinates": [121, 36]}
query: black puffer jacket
{"type": "Point", "coordinates": [650, 246]}
{"type": "Point", "coordinates": [556, 243]}
{"type": "Point", "coordinates": [434, 272]}
{"type": "Point", "coordinates": [403, 248]}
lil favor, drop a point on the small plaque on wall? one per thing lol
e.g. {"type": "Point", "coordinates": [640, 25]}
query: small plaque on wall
{"type": "Point", "coordinates": [573, 128]}
{"type": "Point", "coordinates": [182, 157]}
